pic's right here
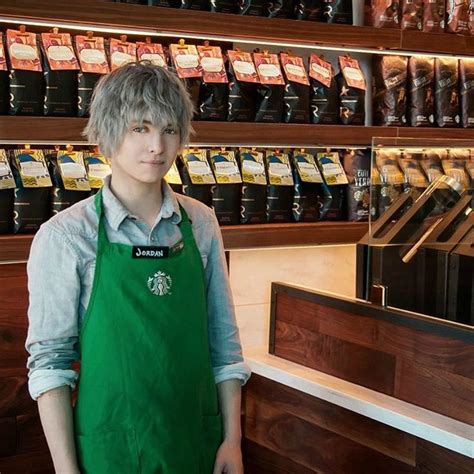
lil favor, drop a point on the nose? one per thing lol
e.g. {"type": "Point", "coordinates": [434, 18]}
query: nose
{"type": "Point", "coordinates": [156, 144]}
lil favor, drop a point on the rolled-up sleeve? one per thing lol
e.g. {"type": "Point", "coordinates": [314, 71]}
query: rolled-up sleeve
{"type": "Point", "coordinates": [224, 341]}
{"type": "Point", "coordinates": [54, 290]}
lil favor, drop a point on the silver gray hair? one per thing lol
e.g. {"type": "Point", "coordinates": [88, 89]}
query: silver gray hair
{"type": "Point", "coordinates": [133, 93]}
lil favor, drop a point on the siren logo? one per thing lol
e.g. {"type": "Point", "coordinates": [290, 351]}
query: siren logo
{"type": "Point", "coordinates": [160, 284]}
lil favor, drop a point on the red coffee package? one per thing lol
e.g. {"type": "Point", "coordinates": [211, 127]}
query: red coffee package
{"type": "Point", "coordinates": [433, 16]}
{"type": "Point", "coordinates": [412, 15]}
{"type": "Point", "coordinates": [382, 13]}
{"type": "Point", "coordinates": [457, 16]}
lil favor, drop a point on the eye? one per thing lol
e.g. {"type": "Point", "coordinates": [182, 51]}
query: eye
{"type": "Point", "coordinates": [141, 129]}
{"type": "Point", "coordinates": [170, 131]}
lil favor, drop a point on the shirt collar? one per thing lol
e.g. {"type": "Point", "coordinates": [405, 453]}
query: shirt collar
{"type": "Point", "coordinates": [115, 212]}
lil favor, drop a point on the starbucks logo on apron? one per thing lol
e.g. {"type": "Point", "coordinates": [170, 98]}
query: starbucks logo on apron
{"type": "Point", "coordinates": [160, 284]}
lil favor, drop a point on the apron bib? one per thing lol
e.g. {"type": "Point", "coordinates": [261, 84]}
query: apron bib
{"type": "Point", "coordinates": [147, 400]}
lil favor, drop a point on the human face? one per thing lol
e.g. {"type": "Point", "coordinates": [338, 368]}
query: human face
{"type": "Point", "coordinates": [146, 153]}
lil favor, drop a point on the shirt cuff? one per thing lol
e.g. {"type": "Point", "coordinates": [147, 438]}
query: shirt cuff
{"type": "Point", "coordinates": [43, 380]}
{"type": "Point", "coordinates": [240, 371]}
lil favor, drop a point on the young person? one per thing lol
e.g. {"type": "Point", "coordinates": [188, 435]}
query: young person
{"type": "Point", "coordinates": [133, 283]}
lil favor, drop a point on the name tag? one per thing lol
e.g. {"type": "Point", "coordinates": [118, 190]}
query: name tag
{"type": "Point", "coordinates": [150, 252]}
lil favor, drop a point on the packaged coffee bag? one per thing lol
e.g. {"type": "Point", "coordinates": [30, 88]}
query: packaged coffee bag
{"type": "Point", "coordinates": [225, 6]}
{"type": "Point", "coordinates": [457, 16]}
{"type": "Point", "coordinates": [226, 194]}
{"type": "Point", "coordinates": [252, 7]}
{"type": "Point", "coordinates": [421, 91]}
{"type": "Point", "coordinates": [375, 192]}
{"type": "Point", "coordinates": [254, 187]}
{"type": "Point", "coordinates": [197, 175]}
{"type": "Point", "coordinates": [311, 10]}
{"type": "Point", "coordinates": [69, 178]}
{"type": "Point", "coordinates": [173, 178]}
{"type": "Point", "coordinates": [448, 113]}
{"type": "Point", "coordinates": [98, 168]}
{"type": "Point", "coordinates": [31, 196]}
{"type": "Point", "coordinates": [93, 63]}
{"type": "Point", "coordinates": [431, 164]}
{"type": "Point", "coordinates": [199, 5]}
{"type": "Point", "coordinates": [470, 171]}
{"type": "Point", "coordinates": [185, 58]}
{"type": "Point", "coordinates": [243, 79]}
{"type": "Point", "coordinates": [412, 15]}
{"type": "Point", "coordinates": [453, 162]}
{"type": "Point", "coordinates": [152, 52]}
{"type": "Point", "coordinates": [414, 177]}
{"type": "Point", "coordinates": [4, 84]}
{"type": "Point", "coordinates": [351, 87]}
{"type": "Point", "coordinates": [391, 176]}
{"type": "Point", "coordinates": [471, 17]}
{"type": "Point", "coordinates": [296, 98]}
{"type": "Point", "coordinates": [60, 67]}
{"type": "Point", "coordinates": [390, 90]}
{"type": "Point", "coordinates": [336, 181]}
{"type": "Point", "coordinates": [433, 16]}
{"type": "Point", "coordinates": [280, 188]}
{"type": "Point", "coordinates": [357, 167]}
{"type": "Point", "coordinates": [214, 95]}
{"type": "Point", "coordinates": [271, 88]}
{"type": "Point", "coordinates": [165, 3]}
{"type": "Point", "coordinates": [26, 78]}
{"type": "Point", "coordinates": [121, 52]}
{"type": "Point", "coordinates": [7, 185]}
{"type": "Point", "coordinates": [337, 11]}
{"type": "Point", "coordinates": [324, 94]}
{"type": "Point", "coordinates": [466, 76]}
{"type": "Point", "coordinates": [382, 13]}
{"type": "Point", "coordinates": [311, 197]}
{"type": "Point", "coordinates": [280, 9]}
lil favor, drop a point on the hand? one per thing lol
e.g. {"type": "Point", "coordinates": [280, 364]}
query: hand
{"type": "Point", "coordinates": [229, 459]}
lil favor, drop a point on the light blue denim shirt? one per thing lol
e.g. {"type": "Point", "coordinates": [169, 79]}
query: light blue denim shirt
{"type": "Point", "coordinates": [61, 270]}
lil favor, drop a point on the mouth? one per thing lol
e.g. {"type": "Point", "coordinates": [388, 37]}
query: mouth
{"type": "Point", "coordinates": [153, 163]}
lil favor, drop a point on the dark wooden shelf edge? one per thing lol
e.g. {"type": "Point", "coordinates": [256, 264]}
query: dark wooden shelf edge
{"type": "Point", "coordinates": [15, 248]}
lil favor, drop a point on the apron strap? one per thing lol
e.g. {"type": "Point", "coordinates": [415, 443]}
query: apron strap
{"type": "Point", "coordinates": [185, 224]}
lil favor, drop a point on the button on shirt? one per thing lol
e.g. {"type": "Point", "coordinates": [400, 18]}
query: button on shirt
{"type": "Point", "coordinates": [61, 271]}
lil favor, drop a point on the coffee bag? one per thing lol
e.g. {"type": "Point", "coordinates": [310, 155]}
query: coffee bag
{"type": "Point", "coordinates": [414, 176]}
{"type": "Point", "coordinates": [271, 88]}
{"type": "Point", "coordinates": [199, 5]}
{"type": "Point", "coordinates": [337, 11]}
{"type": "Point", "coordinates": [433, 16]}
{"type": "Point", "coordinates": [226, 193]}
{"type": "Point", "coordinates": [280, 9]}
{"type": "Point", "coordinates": [98, 168]}
{"type": "Point", "coordinates": [431, 164]}
{"type": "Point", "coordinates": [391, 176]}
{"type": "Point", "coordinates": [252, 7]}
{"type": "Point", "coordinates": [412, 15]}
{"type": "Point", "coordinates": [310, 10]}
{"type": "Point", "coordinates": [214, 94]}
{"type": "Point", "coordinates": [173, 178]}
{"type": "Point", "coordinates": [151, 52]}
{"type": "Point", "coordinates": [421, 91]}
{"type": "Point", "coordinates": [243, 79]}
{"type": "Point", "coordinates": [197, 175]}
{"type": "Point", "coordinates": [447, 93]}
{"type": "Point", "coordinates": [4, 85]}
{"type": "Point", "coordinates": [26, 78]}
{"type": "Point", "coordinates": [357, 168]}
{"type": "Point", "coordinates": [457, 16]}
{"type": "Point", "coordinates": [165, 3]}
{"type": "Point", "coordinates": [390, 90]}
{"type": "Point", "coordinates": [323, 92]}
{"type": "Point", "coordinates": [254, 187]}
{"type": "Point", "coordinates": [280, 190]}
{"type": "Point", "coordinates": [296, 98]}
{"type": "Point", "coordinates": [375, 192]}
{"type": "Point", "coordinates": [93, 63]}
{"type": "Point", "coordinates": [382, 13]}
{"type": "Point", "coordinates": [7, 185]}
{"type": "Point", "coordinates": [453, 161]}
{"type": "Point", "coordinates": [224, 6]}
{"type": "Point", "coordinates": [466, 75]}
{"type": "Point", "coordinates": [351, 88]}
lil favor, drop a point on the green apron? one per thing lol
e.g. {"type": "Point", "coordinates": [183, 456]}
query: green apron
{"type": "Point", "coordinates": [147, 401]}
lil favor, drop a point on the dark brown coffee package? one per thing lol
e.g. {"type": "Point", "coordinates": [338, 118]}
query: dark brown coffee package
{"type": "Point", "coordinates": [197, 175]}
{"type": "Point", "coordinates": [431, 164]}
{"type": "Point", "coordinates": [243, 79]}
{"type": "Point", "coordinates": [357, 167]}
{"type": "Point", "coordinates": [454, 165]}
{"type": "Point", "coordinates": [391, 177]}
{"type": "Point", "coordinates": [421, 106]}
{"type": "Point", "coordinates": [224, 6]}
{"type": "Point", "coordinates": [457, 16]}
{"type": "Point", "coordinates": [466, 76]}
{"type": "Point", "coordinates": [86, 85]}
{"type": "Point", "coordinates": [337, 11]}
{"type": "Point", "coordinates": [133, 2]}
{"type": "Point", "coordinates": [390, 90]}
{"type": "Point", "coordinates": [4, 85]}
{"type": "Point", "coordinates": [310, 10]}
{"type": "Point", "coordinates": [252, 7]}
{"type": "Point", "coordinates": [415, 179]}
{"type": "Point", "coordinates": [226, 193]}
{"type": "Point", "coordinates": [271, 89]}
{"type": "Point", "coordinates": [254, 187]}
{"type": "Point", "coordinates": [280, 9]}
{"type": "Point", "coordinates": [31, 202]}
{"type": "Point", "coordinates": [199, 5]}
{"type": "Point", "coordinates": [448, 113]}
{"type": "Point", "coordinates": [382, 13]}
{"type": "Point", "coordinates": [471, 21]}
{"type": "Point", "coordinates": [26, 78]}
{"type": "Point", "coordinates": [324, 98]}
{"type": "Point", "coordinates": [433, 16]}
{"type": "Point", "coordinates": [7, 185]}
{"type": "Point", "coordinates": [351, 88]}
{"type": "Point", "coordinates": [296, 98]}
{"type": "Point", "coordinates": [375, 190]}
{"type": "Point", "coordinates": [165, 3]}
{"type": "Point", "coordinates": [280, 189]}
{"type": "Point", "coordinates": [412, 15]}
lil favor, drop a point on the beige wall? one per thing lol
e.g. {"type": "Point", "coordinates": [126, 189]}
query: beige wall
{"type": "Point", "coordinates": [326, 268]}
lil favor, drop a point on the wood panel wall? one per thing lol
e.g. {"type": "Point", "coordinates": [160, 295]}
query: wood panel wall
{"type": "Point", "coordinates": [289, 432]}
{"type": "Point", "coordinates": [421, 366]}
{"type": "Point", "coordinates": [23, 448]}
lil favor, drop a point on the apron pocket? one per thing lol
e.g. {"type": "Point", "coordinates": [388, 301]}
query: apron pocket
{"type": "Point", "coordinates": [211, 440]}
{"type": "Point", "coordinates": [111, 452]}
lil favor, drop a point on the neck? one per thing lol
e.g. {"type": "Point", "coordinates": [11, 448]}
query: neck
{"type": "Point", "coordinates": [140, 199]}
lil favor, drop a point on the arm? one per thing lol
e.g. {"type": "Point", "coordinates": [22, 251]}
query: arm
{"type": "Point", "coordinates": [56, 417]}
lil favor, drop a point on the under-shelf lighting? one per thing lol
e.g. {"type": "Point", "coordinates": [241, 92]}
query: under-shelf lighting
{"type": "Point", "coordinates": [228, 39]}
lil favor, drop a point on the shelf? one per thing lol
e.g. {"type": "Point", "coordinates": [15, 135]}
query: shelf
{"type": "Point", "coordinates": [17, 247]}
{"type": "Point", "coordinates": [229, 27]}
{"type": "Point", "coordinates": [63, 130]}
